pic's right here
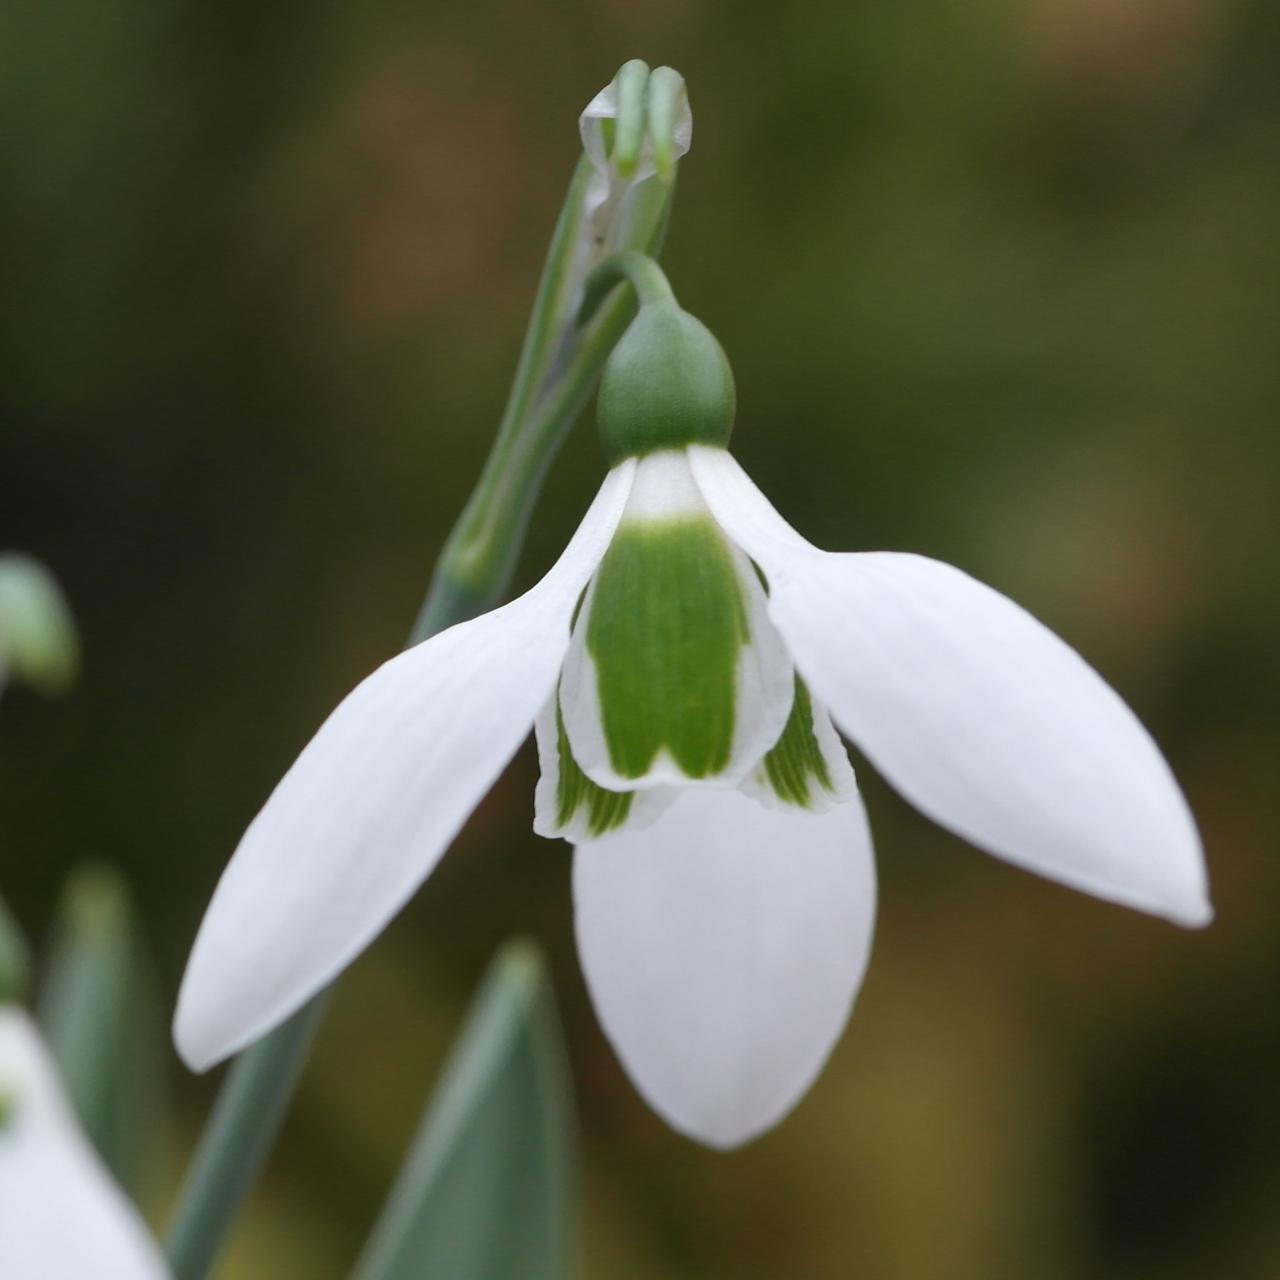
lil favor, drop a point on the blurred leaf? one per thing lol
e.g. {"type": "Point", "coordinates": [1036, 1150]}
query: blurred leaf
{"type": "Point", "coordinates": [37, 637]}
{"type": "Point", "coordinates": [485, 1191]}
{"type": "Point", "coordinates": [101, 1014]}
{"type": "Point", "coordinates": [14, 963]}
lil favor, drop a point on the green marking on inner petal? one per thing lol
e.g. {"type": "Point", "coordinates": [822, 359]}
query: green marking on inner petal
{"type": "Point", "coordinates": [668, 619]}
{"type": "Point", "coordinates": [8, 1104]}
{"type": "Point", "coordinates": [796, 757]}
{"type": "Point", "coordinates": [577, 608]}
{"type": "Point", "coordinates": [606, 810]}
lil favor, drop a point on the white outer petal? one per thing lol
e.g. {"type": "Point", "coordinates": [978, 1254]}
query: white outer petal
{"type": "Point", "coordinates": [723, 947]}
{"type": "Point", "coordinates": [375, 798]}
{"type": "Point", "coordinates": [61, 1215]}
{"type": "Point", "coordinates": [976, 712]}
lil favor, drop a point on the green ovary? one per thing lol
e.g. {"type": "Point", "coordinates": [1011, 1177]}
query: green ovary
{"type": "Point", "coordinates": [668, 619]}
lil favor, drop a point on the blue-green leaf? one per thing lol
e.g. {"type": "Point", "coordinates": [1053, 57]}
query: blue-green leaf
{"type": "Point", "coordinates": [14, 962]}
{"type": "Point", "coordinates": [485, 1192]}
{"type": "Point", "coordinates": [101, 1015]}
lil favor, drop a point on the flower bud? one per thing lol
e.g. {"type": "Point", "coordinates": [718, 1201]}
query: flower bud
{"type": "Point", "coordinates": [37, 636]}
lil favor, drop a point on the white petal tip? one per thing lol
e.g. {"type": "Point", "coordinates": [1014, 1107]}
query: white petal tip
{"type": "Point", "coordinates": [1198, 916]}
{"type": "Point", "coordinates": [1189, 908]}
{"type": "Point", "coordinates": [206, 1032]}
{"type": "Point", "coordinates": [717, 1134]}
{"type": "Point", "coordinates": [197, 1049]}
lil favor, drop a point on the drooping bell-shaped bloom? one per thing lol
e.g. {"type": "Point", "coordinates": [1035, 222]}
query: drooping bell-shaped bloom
{"type": "Point", "coordinates": [61, 1214]}
{"type": "Point", "coordinates": [686, 665]}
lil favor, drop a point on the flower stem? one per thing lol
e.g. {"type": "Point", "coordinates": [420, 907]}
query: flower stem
{"type": "Point", "coordinates": [640, 271]}
{"type": "Point", "coordinates": [238, 1135]}
{"type": "Point", "coordinates": [553, 382]}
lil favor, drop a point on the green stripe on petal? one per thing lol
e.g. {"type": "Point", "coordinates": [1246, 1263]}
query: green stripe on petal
{"type": "Point", "coordinates": [606, 810]}
{"type": "Point", "coordinates": [796, 762]}
{"type": "Point", "coordinates": [667, 621]}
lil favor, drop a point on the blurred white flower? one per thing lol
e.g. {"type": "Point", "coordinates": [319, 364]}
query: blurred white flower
{"type": "Point", "coordinates": [681, 661]}
{"type": "Point", "coordinates": [61, 1215]}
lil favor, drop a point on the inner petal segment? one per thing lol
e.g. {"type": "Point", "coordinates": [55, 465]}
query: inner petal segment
{"type": "Point", "coordinates": [808, 767]}
{"type": "Point", "coordinates": [675, 673]}
{"type": "Point", "coordinates": [568, 804]}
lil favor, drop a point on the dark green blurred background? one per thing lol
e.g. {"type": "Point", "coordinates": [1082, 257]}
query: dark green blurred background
{"type": "Point", "coordinates": [1001, 285]}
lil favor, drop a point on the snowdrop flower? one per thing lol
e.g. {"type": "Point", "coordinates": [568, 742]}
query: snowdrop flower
{"type": "Point", "coordinates": [61, 1215]}
{"type": "Point", "coordinates": [685, 666]}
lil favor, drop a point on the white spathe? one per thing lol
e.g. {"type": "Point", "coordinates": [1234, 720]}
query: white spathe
{"type": "Point", "coordinates": [62, 1217]}
{"type": "Point", "coordinates": [723, 946]}
{"type": "Point", "coordinates": [374, 800]}
{"type": "Point", "coordinates": [607, 186]}
{"type": "Point", "coordinates": [977, 713]}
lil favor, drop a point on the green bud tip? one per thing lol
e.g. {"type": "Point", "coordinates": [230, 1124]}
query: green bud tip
{"type": "Point", "coordinates": [631, 86]}
{"type": "Point", "coordinates": [95, 901]}
{"type": "Point", "coordinates": [667, 94]}
{"type": "Point", "coordinates": [37, 636]}
{"type": "Point", "coordinates": [667, 384]}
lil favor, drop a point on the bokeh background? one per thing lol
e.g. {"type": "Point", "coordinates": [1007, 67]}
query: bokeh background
{"type": "Point", "coordinates": [1001, 285]}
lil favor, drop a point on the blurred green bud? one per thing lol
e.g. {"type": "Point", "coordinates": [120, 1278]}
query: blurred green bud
{"type": "Point", "coordinates": [667, 384]}
{"type": "Point", "coordinates": [14, 964]}
{"type": "Point", "coordinates": [37, 636]}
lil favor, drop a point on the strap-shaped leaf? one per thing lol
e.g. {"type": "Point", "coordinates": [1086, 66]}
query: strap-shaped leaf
{"type": "Point", "coordinates": [14, 962]}
{"type": "Point", "coordinates": [485, 1192]}
{"type": "Point", "coordinates": [101, 1014]}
